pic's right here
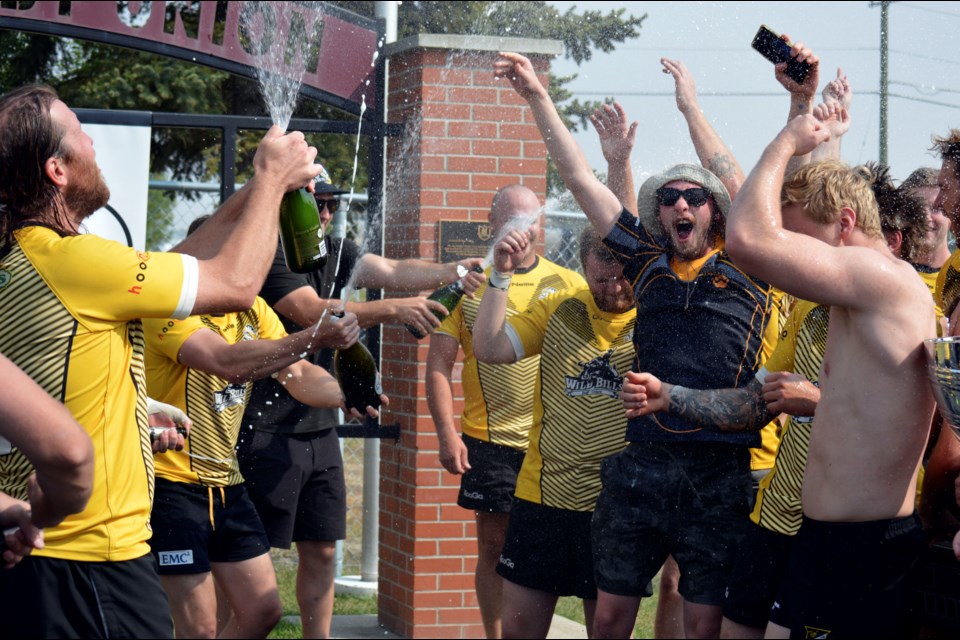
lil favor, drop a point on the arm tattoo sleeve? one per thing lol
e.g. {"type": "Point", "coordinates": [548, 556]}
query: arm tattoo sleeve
{"type": "Point", "coordinates": [721, 165]}
{"type": "Point", "coordinates": [741, 409]}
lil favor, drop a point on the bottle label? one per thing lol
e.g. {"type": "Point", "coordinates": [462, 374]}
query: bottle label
{"type": "Point", "coordinates": [321, 249]}
{"type": "Point", "coordinates": [310, 245]}
{"type": "Point", "coordinates": [377, 386]}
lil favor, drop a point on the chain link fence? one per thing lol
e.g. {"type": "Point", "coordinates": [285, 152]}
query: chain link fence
{"type": "Point", "coordinates": [174, 205]}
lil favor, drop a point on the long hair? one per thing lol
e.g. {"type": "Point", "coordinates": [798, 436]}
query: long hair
{"type": "Point", "coordinates": [30, 137]}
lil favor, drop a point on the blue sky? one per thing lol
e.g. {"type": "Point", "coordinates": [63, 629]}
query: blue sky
{"type": "Point", "coordinates": [713, 40]}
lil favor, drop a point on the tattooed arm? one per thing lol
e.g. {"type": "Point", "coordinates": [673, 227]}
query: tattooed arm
{"type": "Point", "coordinates": [737, 409]}
{"type": "Point", "coordinates": [713, 153]}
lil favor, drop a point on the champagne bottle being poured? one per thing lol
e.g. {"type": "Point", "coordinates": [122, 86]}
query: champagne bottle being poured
{"type": "Point", "coordinates": [448, 295]}
{"type": "Point", "coordinates": [303, 219]}
{"type": "Point", "coordinates": [301, 233]}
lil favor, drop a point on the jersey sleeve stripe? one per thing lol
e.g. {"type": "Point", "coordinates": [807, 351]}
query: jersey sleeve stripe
{"type": "Point", "coordinates": [515, 341]}
{"type": "Point", "coordinates": [191, 282]}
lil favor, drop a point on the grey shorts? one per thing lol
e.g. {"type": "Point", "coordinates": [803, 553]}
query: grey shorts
{"type": "Point", "coordinates": [691, 501]}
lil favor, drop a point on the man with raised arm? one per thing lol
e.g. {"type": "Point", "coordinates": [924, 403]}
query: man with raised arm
{"type": "Point", "coordinates": [289, 452]}
{"type": "Point", "coordinates": [818, 237]}
{"type": "Point", "coordinates": [498, 399]}
{"type": "Point", "coordinates": [677, 489]}
{"type": "Point", "coordinates": [70, 309]}
{"type": "Point", "coordinates": [584, 340]}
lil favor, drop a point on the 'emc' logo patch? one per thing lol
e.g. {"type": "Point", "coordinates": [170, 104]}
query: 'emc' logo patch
{"type": "Point", "coordinates": [172, 558]}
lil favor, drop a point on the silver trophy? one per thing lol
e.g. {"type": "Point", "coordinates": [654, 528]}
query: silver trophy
{"type": "Point", "coordinates": [943, 367]}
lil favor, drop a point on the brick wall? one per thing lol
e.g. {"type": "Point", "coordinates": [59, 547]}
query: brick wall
{"type": "Point", "coordinates": [467, 135]}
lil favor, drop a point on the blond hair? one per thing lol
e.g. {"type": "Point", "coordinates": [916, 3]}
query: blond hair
{"type": "Point", "coordinates": [824, 188]}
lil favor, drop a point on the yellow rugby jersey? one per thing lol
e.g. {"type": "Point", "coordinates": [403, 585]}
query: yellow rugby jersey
{"type": "Point", "coordinates": [69, 317]}
{"type": "Point", "coordinates": [214, 405]}
{"type": "Point", "coordinates": [929, 275]}
{"type": "Point", "coordinates": [947, 291]}
{"type": "Point", "coordinates": [800, 350]}
{"type": "Point", "coordinates": [763, 457]}
{"type": "Point", "coordinates": [498, 398]}
{"type": "Point", "coordinates": [578, 418]}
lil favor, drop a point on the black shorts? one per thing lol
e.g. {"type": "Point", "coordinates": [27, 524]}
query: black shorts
{"type": "Point", "coordinates": [492, 479]}
{"type": "Point", "coordinates": [757, 577]}
{"type": "Point", "coordinates": [853, 579]}
{"type": "Point", "coordinates": [691, 501]}
{"type": "Point", "coordinates": [548, 549]}
{"type": "Point", "coordinates": [296, 483]}
{"type": "Point", "coordinates": [51, 598]}
{"type": "Point", "coordinates": [194, 526]}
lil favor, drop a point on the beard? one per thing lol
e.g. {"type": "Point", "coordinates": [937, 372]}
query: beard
{"type": "Point", "coordinates": [616, 303]}
{"type": "Point", "coordinates": [87, 192]}
{"type": "Point", "coordinates": [695, 244]}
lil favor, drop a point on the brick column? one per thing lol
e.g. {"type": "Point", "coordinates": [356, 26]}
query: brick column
{"type": "Point", "coordinates": [467, 135]}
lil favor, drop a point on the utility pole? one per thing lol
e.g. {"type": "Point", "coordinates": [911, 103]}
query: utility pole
{"type": "Point", "coordinates": [884, 80]}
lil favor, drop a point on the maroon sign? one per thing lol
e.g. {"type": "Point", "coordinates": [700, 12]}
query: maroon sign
{"type": "Point", "coordinates": [337, 49]}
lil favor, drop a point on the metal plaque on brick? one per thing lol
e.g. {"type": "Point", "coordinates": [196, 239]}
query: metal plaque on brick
{"type": "Point", "coordinates": [459, 240]}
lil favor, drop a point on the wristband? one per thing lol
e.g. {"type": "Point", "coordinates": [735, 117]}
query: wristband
{"type": "Point", "coordinates": [499, 281]}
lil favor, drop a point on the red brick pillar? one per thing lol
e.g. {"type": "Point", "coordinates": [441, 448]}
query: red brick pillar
{"type": "Point", "coordinates": [466, 136]}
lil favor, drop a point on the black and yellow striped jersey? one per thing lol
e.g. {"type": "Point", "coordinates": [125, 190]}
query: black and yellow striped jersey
{"type": "Point", "coordinates": [498, 398]}
{"type": "Point", "coordinates": [70, 310]}
{"type": "Point", "coordinates": [214, 405]}
{"type": "Point", "coordinates": [701, 324]}
{"type": "Point", "coordinates": [930, 276]}
{"type": "Point", "coordinates": [800, 350]}
{"type": "Point", "coordinates": [947, 290]}
{"type": "Point", "coordinates": [578, 418]}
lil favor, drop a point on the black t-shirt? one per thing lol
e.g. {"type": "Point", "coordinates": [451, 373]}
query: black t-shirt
{"type": "Point", "coordinates": [271, 408]}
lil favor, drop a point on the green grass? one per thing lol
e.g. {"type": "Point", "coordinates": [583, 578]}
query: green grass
{"type": "Point", "coordinates": [572, 608]}
{"type": "Point", "coordinates": [286, 568]}
{"type": "Point", "coordinates": [569, 607]}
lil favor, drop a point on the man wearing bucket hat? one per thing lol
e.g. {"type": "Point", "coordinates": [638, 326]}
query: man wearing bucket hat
{"type": "Point", "coordinates": [289, 453]}
{"type": "Point", "coordinates": [677, 489]}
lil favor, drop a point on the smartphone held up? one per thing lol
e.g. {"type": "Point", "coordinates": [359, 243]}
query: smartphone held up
{"type": "Point", "coordinates": [775, 49]}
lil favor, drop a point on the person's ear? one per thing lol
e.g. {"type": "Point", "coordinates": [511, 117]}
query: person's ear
{"type": "Point", "coordinates": [848, 222]}
{"type": "Point", "coordinates": [56, 171]}
{"type": "Point", "coordinates": [894, 241]}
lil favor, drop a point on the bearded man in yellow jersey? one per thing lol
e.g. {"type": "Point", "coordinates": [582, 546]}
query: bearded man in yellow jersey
{"type": "Point", "coordinates": [939, 504]}
{"type": "Point", "coordinates": [70, 309]}
{"type": "Point", "coordinates": [584, 340]}
{"type": "Point", "coordinates": [498, 401]}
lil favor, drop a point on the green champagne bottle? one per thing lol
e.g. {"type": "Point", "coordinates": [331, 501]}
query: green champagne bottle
{"type": "Point", "coordinates": [358, 377]}
{"type": "Point", "coordinates": [448, 295]}
{"type": "Point", "coordinates": [301, 233]}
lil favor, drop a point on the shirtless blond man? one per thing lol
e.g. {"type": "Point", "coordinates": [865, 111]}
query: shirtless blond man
{"type": "Point", "coordinates": [818, 237]}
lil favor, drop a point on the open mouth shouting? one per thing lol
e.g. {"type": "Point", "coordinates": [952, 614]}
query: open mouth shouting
{"type": "Point", "coordinates": [684, 229]}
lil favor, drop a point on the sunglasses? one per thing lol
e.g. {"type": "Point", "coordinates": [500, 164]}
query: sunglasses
{"type": "Point", "coordinates": [330, 205]}
{"type": "Point", "coordinates": [695, 197]}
